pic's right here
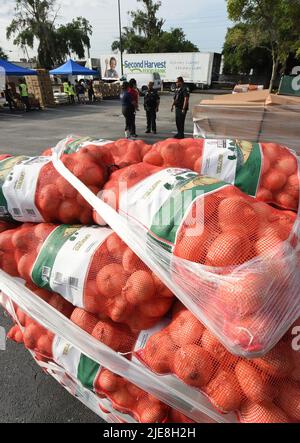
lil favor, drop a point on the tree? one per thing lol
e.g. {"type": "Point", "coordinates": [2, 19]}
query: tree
{"type": "Point", "coordinates": [2, 54]}
{"type": "Point", "coordinates": [240, 57]}
{"type": "Point", "coordinates": [145, 21]}
{"type": "Point", "coordinates": [73, 37]}
{"type": "Point", "coordinates": [147, 35]}
{"type": "Point", "coordinates": [272, 24]}
{"type": "Point", "coordinates": [35, 20]}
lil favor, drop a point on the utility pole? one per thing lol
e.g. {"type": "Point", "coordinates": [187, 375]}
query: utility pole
{"type": "Point", "coordinates": [121, 42]}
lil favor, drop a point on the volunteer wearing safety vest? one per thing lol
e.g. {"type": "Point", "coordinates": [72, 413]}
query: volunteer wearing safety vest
{"type": "Point", "coordinates": [71, 93]}
{"type": "Point", "coordinates": [24, 94]}
{"type": "Point", "coordinates": [66, 89]}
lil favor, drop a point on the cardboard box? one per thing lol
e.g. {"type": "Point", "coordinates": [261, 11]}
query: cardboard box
{"type": "Point", "coordinates": [255, 116]}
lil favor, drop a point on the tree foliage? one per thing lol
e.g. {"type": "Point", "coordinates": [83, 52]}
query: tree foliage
{"type": "Point", "coordinates": [35, 21]}
{"type": "Point", "coordinates": [2, 54]}
{"type": "Point", "coordinates": [147, 35]}
{"type": "Point", "coordinates": [272, 24]}
{"type": "Point", "coordinates": [240, 57]}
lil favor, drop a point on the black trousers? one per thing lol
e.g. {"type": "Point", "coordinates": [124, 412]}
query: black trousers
{"type": "Point", "coordinates": [11, 104]}
{"type": "Point", "coordinates": [180, 122]}
{"type": "Point", "coordinates": [91, 96]}
{"type": "Point", "coordinates": [25, 101]}
{"type": "Point", "coordinates": [129, 115]}
{"type": "Point", "coordinates": [151, 119]}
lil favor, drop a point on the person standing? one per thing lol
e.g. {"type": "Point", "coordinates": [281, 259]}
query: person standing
{"type": "Point", "coordinates": [151, 105]}
{"type": "Point", "coordinates": [71, 93]}
{"type": "Point", "coordinates": [181, 104]}
{"type": "Point", "coordinates": [9, 96]}
{"type": "Point", "coordinates": [77, 88]}
{"type": "Point", "coordinates": [133, 90]}
{"type": "Point", "coordinates": [81, 92]}
{"type": "Point", "coordinates": [91, 92]}
{"type": "Point", "coordinates": [66, 89]}
{"type": "Point", "coordinates": [24, 94]}
{"type": "Point", "coordinates": [127, 109]}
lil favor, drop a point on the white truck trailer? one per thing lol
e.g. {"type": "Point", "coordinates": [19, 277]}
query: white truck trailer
{"type": "Point", "coordinates": [197, 68]}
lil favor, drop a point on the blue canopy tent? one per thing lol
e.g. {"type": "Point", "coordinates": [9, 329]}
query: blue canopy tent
{"type": "Point", "coordinates": [8, 68]}
{"type": "Point", "coordinates": [73, 68]}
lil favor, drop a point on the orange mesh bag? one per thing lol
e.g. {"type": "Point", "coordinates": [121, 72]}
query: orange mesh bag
{"type": "Point", "coordinates": [29, 332]}
{"type": "Point", "coordinates": [123, 152]}
{"type": "Point", "coordinates": [129, 399]}
{"type": "Point", "coordinates": [31, 190]}
{"type": "Point", "coordinates": [172, 153]}
{"type": "Point", "coordinates": [261, 390]}
{"type": "Point", "coordinates": [123, 395]}
{"type": "Point", "coordinates": [90, 267]}
{"type": "Point", "coordinates": [240, 265]}
{"type": "Point", "coordinates": [267, 171]}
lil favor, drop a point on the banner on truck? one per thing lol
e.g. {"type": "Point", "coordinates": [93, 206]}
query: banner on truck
{"type": "Point", "coordinates": [194, 67]}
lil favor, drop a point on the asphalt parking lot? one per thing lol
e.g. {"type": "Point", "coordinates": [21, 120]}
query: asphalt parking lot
{"type": "Point", "coordinates": [33, 132]}
{"type": "Point", "coordinates": [27, 395]}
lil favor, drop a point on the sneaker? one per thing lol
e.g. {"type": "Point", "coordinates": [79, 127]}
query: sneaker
{"type": "Point", "coordinates": [127, 135]}
{"type": "Point", "coordinates": [147, 132]}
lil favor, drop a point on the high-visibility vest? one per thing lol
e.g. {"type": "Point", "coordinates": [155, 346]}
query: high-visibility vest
{"type": "Point", "coordinates": [66, 88]}
{"type": "Point", "coordinates": [71, 90]}
{"type": "Point", "coordinates": [23, 90]}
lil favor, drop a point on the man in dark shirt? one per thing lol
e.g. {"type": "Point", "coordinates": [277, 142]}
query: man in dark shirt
{"type": "Point", "coordinates": [151, 105]}
{"type": "Point", "coordinates": [127, 109]}
{"type": "Point", "coordinates": [181, 104]}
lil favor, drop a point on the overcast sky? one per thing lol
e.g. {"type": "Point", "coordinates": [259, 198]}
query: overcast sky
{"type": "Point", "coordinates": [204, 21]}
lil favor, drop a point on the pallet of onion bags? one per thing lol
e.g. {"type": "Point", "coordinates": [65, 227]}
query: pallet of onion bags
{"type": "Point", "coordinates": [31, 190]}
{"type": "Point", "coordinates": [82, 376]}
{"type": "Point", "coordinates": [230, 258]}
{"type": "Point", "coordinates": [178, 350]}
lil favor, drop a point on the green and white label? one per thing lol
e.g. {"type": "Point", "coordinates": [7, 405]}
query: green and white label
{"type": "Point", "coordinates": [19, 189]}
{"type": "Point", "coordinates": [63, 263]}
{"type": "Point", "coordinates": [162, 201]}
{"type": "Point", "coordinates": [221, 159]}
{"type": "Point", "coordinates": [73, 145]}
{"type": "Point", "coordinates": [234, 161]}
{"type": "Point", "coordinates": [144, 200]}
{"type": "Point", "coordinates": [6, 166]}
{"type": "Point", "coordinates": [75, 363]}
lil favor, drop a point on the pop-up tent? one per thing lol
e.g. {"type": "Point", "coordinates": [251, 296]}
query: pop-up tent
{"type": "Point", "coordinates": [73, 68]}
{"type": "Point", "coordinates": [8, 68]}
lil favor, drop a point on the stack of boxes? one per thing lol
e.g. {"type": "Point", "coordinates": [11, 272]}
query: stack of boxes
{"type": "Point", "coordinates": [40, 87]}
{"type": "Point", "coordinates": [107, 90]}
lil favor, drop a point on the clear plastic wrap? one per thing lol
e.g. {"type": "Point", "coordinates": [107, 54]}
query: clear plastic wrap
{"type": "Point", "coordinates": [124, 152]}
{"type": "Point", "coordinates": [89, 266]}
{"type": "Point", "coordinates": [260, 390]}
{"type": "Point", "coordinates": [175, 394]}
{"type": "Point", "coordinates": [255, 116]}
{"type": "Point", "coordinates": [187, 358]}
{"type": "Point", "coordinates": [267, 171]}
{"type": "Point", "coordinates": [31, 190]}
{"type": "Point", "coordinates": [272, 303]}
